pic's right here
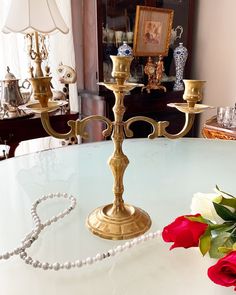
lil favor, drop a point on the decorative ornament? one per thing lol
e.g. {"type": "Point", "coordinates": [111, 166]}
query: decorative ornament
{"type": "Point", "coordinates": [180, 57]}
{"type": "Point", "coordinates": [125, 50]}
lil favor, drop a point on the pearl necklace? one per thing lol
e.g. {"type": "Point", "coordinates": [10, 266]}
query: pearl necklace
{"type": "Point", "coordinates": [34, 234]}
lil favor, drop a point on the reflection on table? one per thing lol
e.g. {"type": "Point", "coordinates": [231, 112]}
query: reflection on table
{"type": "Point", "coordinates": [162, 177]}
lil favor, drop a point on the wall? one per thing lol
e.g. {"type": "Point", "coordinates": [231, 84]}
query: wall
{"type": "Point", "coordinates": [77, 23]}
{"type": "Point", "coordinates": [214, 53]}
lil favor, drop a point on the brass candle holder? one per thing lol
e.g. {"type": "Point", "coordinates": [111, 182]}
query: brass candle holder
{"type": "Point", "coordinates": [41, 84]}
{"type": "Point", "coordinates": [120, 220]}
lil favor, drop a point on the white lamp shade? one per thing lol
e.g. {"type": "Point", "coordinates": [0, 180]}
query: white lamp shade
{"type": "Point", "coordinates": [27, 16]}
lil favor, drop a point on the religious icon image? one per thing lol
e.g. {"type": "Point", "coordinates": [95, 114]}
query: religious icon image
{"type": "Point", "coordinates": [152, 32]}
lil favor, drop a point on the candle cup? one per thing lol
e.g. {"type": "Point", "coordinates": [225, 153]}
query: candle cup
{"type": "Point", "coordinates": [121, 68]}
{"type": "Point", "coordinates": [193, 91]}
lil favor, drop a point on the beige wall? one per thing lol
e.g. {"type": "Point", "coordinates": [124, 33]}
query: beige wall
{"type": "Point", "coordinates": [215, 52]}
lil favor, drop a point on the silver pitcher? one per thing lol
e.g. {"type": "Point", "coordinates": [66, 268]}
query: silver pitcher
{"type": "Point", "coordinates": [11, 96]}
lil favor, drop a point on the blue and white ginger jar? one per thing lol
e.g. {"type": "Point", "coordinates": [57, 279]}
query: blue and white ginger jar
{"type": "Point", "coordinates": [125, 50]}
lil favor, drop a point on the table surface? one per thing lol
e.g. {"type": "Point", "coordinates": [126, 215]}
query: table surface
{"type": "Point", "coordinates": [161, 178]}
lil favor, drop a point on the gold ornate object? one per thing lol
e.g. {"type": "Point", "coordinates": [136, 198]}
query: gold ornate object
{"type": "Point", "coordinates": [41, 85]}
{"type": "Point", "coordinates": [41, 90]}
{"type": "Point", "coordinates": [154, 71]}
{"type": "Point", "coordinates": [119, 220]}
{"type": "Point", "coordinates": [193, 91]}
{"type": "Point", "coordinates": [192, 94]}
{"type": "Point", "coordinates": [184, 108]}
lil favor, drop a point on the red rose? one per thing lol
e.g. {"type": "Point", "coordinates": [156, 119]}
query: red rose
{"type": "Point", "coordinates": [224, 271]}
{"type": "Point", "coordinates": [184, 232]}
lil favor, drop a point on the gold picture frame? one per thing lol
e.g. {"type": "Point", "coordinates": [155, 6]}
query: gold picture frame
{"type": "Point", "coordinates": [152, 31]}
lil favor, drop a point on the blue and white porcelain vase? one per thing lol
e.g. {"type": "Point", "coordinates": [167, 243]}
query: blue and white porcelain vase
{"type": "Point", "coordinates": [125, 50]}
{"type": "Point", "coordinates": [180, 57]}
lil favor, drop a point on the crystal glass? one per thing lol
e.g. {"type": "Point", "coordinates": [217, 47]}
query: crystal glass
{"type": "Point", "coordinates": [226, 116]}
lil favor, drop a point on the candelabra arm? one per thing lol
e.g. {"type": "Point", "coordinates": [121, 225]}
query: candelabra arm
{"type": "Point", "coordinates": [159, 128]}
{"type": "Point", "coordinates": [189, 120]}
{"type": "Point", "coordinates": [82, 123]}
{"type": "Point", "coordinates": [48, 127]}
{"type": "Point", "coordinates": [77, 127]}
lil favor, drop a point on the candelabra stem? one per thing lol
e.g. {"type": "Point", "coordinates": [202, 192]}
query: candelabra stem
{"type": "Point", "coordinates": [38, 59]}
{"type": "Point", "coordinates": [118, 161]}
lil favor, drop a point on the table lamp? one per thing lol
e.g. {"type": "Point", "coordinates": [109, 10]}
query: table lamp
{"type": "Point", "coordinates": [36, 19]}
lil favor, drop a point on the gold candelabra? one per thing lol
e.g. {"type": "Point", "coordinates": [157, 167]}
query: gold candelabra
{"type": "Point", "coordinates": [41, 84]}
{"type": "Point", "coordinates": [120, 220]}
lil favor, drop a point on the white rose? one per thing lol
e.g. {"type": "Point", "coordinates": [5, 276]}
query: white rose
{"type": "Point", "coordinates": [202, 204]}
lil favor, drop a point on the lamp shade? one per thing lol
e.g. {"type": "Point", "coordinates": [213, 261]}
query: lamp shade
{"type": "Point", "coordinates": [27, 16]}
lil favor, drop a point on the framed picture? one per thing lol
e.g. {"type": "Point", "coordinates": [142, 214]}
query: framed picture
{"type": "Point", "coordinates": [152, 31]}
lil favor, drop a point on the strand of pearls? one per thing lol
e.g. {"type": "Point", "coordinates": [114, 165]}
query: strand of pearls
{"type": "Point", "coordinates": [31, 237]}
{"type": "Point", "coordinates": [34, 234]}
{"type": "Point", "coordinates": [89, 260]}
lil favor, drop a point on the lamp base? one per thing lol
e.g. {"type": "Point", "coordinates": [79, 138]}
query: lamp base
{"type": "Point", "coordinates": [133, 223]}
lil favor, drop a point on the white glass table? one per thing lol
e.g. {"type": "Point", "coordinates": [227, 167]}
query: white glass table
{"type": "Point", "coordinates": [161, 178]}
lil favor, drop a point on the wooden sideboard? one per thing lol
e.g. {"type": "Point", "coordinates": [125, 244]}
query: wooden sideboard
{"type": "Point", "coordinates": [13, 131]}
{"type": "Point", "coordinates": [212, 130]}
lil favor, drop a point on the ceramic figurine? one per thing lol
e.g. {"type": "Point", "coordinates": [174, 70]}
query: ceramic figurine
{"type": "Point", "coordinates": [66, 75]}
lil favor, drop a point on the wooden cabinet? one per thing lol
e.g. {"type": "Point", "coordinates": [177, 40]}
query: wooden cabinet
{"type": "Point", "coordinates": [119, 15]}
{"type": "Point", "coordinates": [116, 17]}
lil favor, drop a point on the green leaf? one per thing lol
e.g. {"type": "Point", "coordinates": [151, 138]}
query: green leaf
{"type": "Point", "coordinates": [227, 202]}
{"type": "Point", "coordinates": [224, 212]}
{"type": "Point", "coordinates": [225, 250]}
{"type": "Point", "coordinates": [205, 242]}
{"type": "Point", "coordinates": [233, 236]}
{"type": "Point", "coordinates": [224, 227]}
{"type": "Point", "coordinates": [224, 192]}
{"type": "Point", "coordinates": [221, 241]}
{"type": "Point", "coordinates": [198, 219]}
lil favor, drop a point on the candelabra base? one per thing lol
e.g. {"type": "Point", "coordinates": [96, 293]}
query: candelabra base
{"type": "Point", "coordinates": [130, 223]}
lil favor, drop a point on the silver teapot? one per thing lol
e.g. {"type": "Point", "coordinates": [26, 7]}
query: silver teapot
{"type": "Point", "coordinates": [10, 91]}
